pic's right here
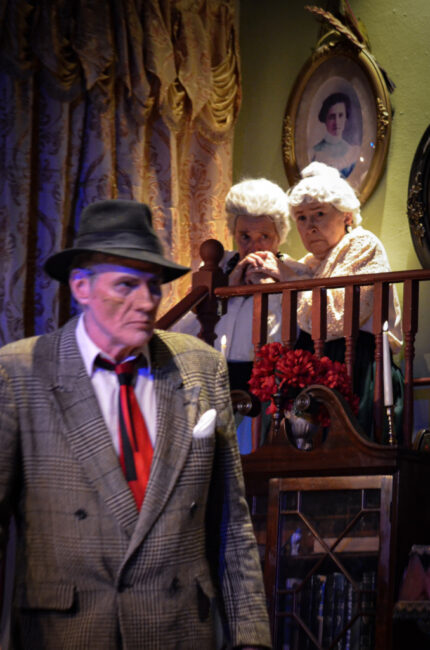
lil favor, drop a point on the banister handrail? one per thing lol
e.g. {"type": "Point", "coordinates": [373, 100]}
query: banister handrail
{"type": "Point", "coordinates": [217, 292]}
{"type": "Point", "coordinates": [340, 281]}
{"type": "Point", "coordinates": [319, 286]}
{"type": "Point", "coordinates": [187, 303]}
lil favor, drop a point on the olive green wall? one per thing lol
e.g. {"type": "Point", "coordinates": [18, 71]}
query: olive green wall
{"type": "Point", "coordinates": [276, 38]}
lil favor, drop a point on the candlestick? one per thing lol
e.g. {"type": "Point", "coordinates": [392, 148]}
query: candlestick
{"type": "Point", "coordinates": [386, 359]}
{"type": "Point", "coordinates": [392, 438]}
{"type": "Point", "coordinates": [224, 344]}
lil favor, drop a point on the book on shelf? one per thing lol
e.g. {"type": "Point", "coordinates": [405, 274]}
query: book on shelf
{"type": "Point", "coordinates": [305, 614]}
{"type": "Point", "coordinates": [318, 606]}
{"type": "Point", "coordinates": [339, 608]}
{"type": "Point", "coordinates": [326, 604]}
{"type": "Point", "coordinates": [352, 635]}
{"type": "Point", "coordinates": [311, 611]}
{"type": "Point", "coordinates": [361, 635]}
{"type": "Point", "coordinates": [334, 610]}
{"type": "Point", "coordinates": [288, 627]}
{"type": "Point", "coordinates": [367, 607]}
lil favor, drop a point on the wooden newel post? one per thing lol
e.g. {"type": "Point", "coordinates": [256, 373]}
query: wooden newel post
{"type": "Point", "coordinates": [209, 275]}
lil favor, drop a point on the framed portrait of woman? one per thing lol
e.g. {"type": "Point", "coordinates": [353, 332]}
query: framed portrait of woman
{"type": "Point", "coordinates": [339, 112]}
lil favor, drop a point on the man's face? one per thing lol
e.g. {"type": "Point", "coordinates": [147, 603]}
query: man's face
{"type": "Point", "coordinates": [120, 300]}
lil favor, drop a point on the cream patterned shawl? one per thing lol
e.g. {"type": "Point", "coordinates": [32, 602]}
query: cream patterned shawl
{"type": "Point", "coordinates": [358, 252]}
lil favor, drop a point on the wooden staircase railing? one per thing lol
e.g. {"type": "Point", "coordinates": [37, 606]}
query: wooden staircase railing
{"type": "Point", "coordinates": [202, 299]}
{"type": "Point", "coordinates": [217, 291]}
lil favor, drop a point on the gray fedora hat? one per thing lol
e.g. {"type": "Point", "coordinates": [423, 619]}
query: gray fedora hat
{"type": "Point", "coordinates": [115, 227]}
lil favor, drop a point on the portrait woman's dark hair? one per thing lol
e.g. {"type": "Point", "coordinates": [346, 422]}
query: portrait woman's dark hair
{"type": "Point", "coordinates": [334, 98]}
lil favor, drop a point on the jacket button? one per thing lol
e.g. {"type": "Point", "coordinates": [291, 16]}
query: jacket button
{"type": "Point", "coordinates": [193, 508]}
{"type": "Point", "coordinates": [174, 586]}
{"type": "Point", "coordinates": [81, 514]}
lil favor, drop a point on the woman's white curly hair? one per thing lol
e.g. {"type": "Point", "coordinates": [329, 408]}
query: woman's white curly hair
{"type": "Point", "coordinates": [324, 184]}
{"type": "Point", "coordinates": [258, 197]}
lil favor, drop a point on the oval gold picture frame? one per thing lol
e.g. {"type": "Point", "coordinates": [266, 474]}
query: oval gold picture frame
{"type": "Point", "coordinates": [339, 67]}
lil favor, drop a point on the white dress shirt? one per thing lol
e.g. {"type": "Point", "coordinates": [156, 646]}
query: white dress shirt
{"type": "Point", "coordinates": [106, 386]}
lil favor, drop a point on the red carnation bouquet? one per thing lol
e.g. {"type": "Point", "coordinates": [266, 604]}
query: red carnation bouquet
{"type": "Point", "coordinates": [278, 369]}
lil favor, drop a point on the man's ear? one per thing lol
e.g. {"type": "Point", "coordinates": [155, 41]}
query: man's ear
{"type": "Point", "coordinates": [80, 285]}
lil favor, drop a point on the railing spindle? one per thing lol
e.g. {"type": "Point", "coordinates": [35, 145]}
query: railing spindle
{"type": "Point", "coordinates": [410, 328]}
{"type": "Point", "coordinates": [351, 325]}
{"type": "Point", "coordinates": [319, 319]}
{"type": "Point", "coordinates": [289, 318]}
{"type": "Point", "coordinates": [259, 320]}
{"type": "Point", "coordinates": [259, 338]}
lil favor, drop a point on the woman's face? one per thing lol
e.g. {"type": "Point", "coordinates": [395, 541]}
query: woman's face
{"type": "Point", "coordinates": [321, 226]}
{"type": "Point", "coordinates": [335, 120]}
{"type": "Point", "coordinates": [254, 234]}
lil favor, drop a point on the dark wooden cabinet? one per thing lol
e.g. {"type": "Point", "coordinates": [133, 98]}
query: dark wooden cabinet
{"type": "Point", "coordinates": [334, 527]}
{"type": "Point", "coordinates": [322, 550]}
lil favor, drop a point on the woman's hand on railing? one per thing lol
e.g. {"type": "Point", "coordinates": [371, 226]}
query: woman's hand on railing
{"type": "Point", "coordinates": [264, 267]}
{"type": "Point", "coordinates": [257, 268]}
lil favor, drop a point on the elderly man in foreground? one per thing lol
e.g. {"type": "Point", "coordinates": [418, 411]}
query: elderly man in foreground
{"type": "Point", "coordinates": [119, 462]}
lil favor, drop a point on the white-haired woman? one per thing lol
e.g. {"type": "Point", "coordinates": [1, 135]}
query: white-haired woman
{"type": "Point", "coordinates": [327, 214]}
{"type": "Point", "coordinates": [257, 217]}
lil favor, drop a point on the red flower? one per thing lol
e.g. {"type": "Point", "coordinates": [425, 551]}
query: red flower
{"type": "Point", "coordinates": [278, 368]}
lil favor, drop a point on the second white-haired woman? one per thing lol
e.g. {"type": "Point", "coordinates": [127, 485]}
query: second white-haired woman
{"type": "Point", "coordinates": [327, 214]}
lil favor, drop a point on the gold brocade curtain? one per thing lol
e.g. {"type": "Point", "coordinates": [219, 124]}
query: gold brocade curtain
{"type": "Point", "coordinates": [127, 98]}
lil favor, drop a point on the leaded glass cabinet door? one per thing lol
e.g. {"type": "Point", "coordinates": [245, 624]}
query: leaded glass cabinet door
{"type": "Point", "coordinates": [323, 564]}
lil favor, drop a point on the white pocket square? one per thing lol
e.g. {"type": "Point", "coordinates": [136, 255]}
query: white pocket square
{"type": "Point", "coordinates": [206, 425]}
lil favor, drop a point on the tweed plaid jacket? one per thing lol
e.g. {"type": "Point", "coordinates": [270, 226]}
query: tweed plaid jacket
{"type": "Point", "coordinates": [91, 571]}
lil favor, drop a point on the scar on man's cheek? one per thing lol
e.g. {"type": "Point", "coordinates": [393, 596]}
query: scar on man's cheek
{"type": "Point", "coordinates": [114, 301]}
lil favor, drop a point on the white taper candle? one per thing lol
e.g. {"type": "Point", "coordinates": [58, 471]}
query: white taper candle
{"type": "Point", "coordinates": [386, 359]}
{"type": "Point", "coordinates": [223, 344]}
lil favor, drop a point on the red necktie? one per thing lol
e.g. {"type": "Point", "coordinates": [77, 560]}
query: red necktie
{"type": "Point", "coordinates": [135, 444]}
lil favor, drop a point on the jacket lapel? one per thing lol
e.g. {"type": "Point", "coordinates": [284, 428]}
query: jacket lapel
{"type": "Point", "coordinates": [176, 415]}
{"type": "Point", "coordinates": [86, 430]}
{"type": "Point", "coordinates": [90, 441]}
